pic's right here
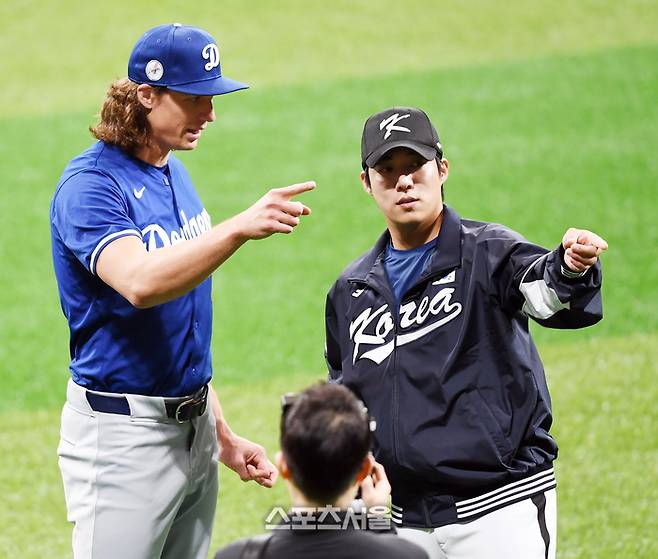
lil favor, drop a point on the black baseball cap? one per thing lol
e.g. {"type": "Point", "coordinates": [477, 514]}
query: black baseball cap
{"type": "Point", "coordinates": [398, 127]}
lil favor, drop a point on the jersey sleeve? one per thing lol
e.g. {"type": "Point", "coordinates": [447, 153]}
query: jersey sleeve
{"type": "Point", "coordinates": [88, 213]}
{"type": "Point", "coordinates": [332, 350]}
{"type": "Point", "coordinates": [531, 279]}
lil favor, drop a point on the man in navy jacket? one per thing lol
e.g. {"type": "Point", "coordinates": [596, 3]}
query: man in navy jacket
{"type": "Point", "coordinates": [430, 330]}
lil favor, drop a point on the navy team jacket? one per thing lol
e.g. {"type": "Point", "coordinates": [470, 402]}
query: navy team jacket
{"type": "Point", "coordinates": [453, 377]}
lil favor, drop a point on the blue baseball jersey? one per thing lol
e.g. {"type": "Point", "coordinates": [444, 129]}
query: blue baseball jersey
{"type": "Point", "coordinates": [105, 194]}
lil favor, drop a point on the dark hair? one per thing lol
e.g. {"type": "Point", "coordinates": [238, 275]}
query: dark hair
{"type": "Point", "coordinates": [325, 436]}
{"type": "Point", "coordinates": [438, 165]}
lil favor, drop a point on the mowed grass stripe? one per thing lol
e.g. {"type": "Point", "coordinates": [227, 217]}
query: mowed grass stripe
{"type": "Point", "coordinates": [603, 398]}
{"type": "Point", "coordinates": [55, 62]}
{"type": "Point", "coordinates": [539, 147]}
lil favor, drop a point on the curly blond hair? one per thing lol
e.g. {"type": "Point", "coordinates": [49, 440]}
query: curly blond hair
{"type": "Point", "coordinates": [123, 120]}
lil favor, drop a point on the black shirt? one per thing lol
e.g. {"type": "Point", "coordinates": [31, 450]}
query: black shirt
{"type": "Point", "coordinates": [320, 542]}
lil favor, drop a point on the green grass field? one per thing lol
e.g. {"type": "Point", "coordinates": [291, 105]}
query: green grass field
{"type": "Point", "coordinates": [549, 120]}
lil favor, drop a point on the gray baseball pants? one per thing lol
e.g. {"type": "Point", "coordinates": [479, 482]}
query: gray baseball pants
{"type": "Point", "coordinates": [138, 486]}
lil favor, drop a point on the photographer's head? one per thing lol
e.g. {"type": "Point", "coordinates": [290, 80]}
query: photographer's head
{"type": "Point", "coordinates": [325, 443]}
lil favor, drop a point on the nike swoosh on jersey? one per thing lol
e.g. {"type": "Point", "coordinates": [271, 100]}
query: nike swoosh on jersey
{"type": "Point", "coordinates": [139, 193]}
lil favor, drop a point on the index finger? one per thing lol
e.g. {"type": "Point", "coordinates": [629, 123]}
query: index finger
{"type": "Point", "coordinates": [265, 482]}
{"type": "Point", "coordinates": [255, 472]}
{"type": "Point", "coordinates": [295, 189]}
{"type": "Point", "coordinates": [262, 463]}
{"type": "Point", "coordinates": [585, 251]}
{"type": "Point", "coordinates": [378, 472]}
{"type": "Point", "coordinates": [600, 242]}
{"type": "Point", "coordinates": [592, 239]}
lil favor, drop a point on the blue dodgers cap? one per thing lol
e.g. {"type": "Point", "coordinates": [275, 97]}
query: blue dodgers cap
{"type": "Point", "coordinates": [180, 58]}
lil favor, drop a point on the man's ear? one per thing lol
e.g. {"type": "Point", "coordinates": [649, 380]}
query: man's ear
{"type": "Point", "coordinates": [282, 465]}
{"type": "Point", "coordinates": [146, 95]}
{"type": "Point", "coordinates": [365, 182]}
{"type": "Point", "coordinates": [444, 167]}
{"type": "Point", "coordinates": [366, 468]}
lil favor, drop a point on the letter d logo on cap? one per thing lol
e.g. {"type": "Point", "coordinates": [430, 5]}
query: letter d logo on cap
{"type": "Point", "coordinates": [210, 53]}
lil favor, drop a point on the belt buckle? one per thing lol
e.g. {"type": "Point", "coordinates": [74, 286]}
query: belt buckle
{"type": "Point", "coordinates": [179, 408]}
{"type": "Point", "coordinates": [202, 400]}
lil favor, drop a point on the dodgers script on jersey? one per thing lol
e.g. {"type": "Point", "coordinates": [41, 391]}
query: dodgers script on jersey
{"type": "Point", "coordinates": [105, 194]}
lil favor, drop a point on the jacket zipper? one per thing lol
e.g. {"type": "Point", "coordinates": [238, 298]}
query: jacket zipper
{"type": "Point", "coordinates": [396, 389]}
{"type": "Point", "coordinates": [396, 392]}
{"type": "Point", "coordinates": [395, 396]}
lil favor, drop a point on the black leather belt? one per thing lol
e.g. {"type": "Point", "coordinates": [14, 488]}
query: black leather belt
{"type": "Point", "coordinates": [181, 409]}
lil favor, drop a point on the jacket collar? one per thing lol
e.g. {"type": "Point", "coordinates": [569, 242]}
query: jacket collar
{"type": "Point", "coordinates": [446, 256]}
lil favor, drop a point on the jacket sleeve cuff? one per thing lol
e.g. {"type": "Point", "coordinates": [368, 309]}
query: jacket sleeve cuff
{"type": "Point", "coordinates": [568, 273]}
{"type": "Point", "coordinates": [565, 270]}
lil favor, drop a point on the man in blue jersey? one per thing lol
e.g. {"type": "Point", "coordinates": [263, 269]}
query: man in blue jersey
{"type": "Point", "coordinates": [430, 330]}
{"type": "Point", "coordinates": [133, 250]}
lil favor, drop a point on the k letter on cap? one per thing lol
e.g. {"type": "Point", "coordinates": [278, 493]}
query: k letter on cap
{"type": "Point", "coordinates": [398, 127]}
